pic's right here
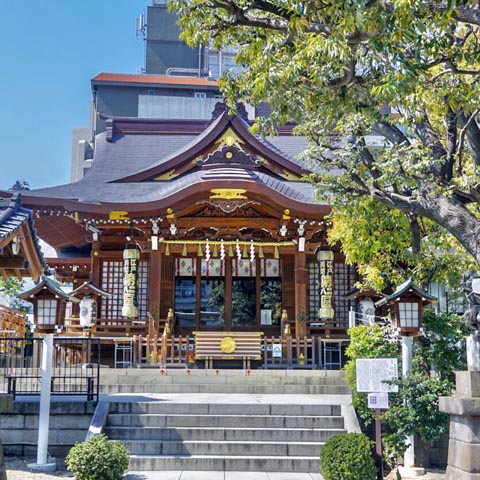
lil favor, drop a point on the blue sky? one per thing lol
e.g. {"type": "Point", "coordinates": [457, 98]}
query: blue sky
{"type": "Point", "coordinates": [50, 49]}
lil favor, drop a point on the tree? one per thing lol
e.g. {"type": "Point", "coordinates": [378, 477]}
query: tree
{"type": "Point", "coordinates": [10, 287]}
{"type": "Point", "coordinates": [406, 71]}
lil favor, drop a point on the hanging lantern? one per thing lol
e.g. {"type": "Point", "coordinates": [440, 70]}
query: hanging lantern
{"type": "Point", "coordinates": [325, 260]}
{"type": "Point", "coordinates": [88, 312]}
{"type": "Point", "coordinates": [130, 298]}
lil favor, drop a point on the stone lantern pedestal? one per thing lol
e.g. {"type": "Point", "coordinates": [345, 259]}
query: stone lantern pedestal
{"type": "Point", "coordinates": [464, 441]}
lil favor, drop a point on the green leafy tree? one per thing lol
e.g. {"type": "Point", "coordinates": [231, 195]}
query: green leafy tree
{"type": "Point", "coordinates": [11, 287]}
{"type": "Point", "coordinates": [414, 409]}
{"type": "Point", "coordinates": [404, 71]}
{"type": "Point", "coordinates": [442, 348]}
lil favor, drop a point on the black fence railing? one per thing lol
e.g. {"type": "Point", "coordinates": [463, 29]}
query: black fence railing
{"type": "Point", "coordinates": [75, 371]}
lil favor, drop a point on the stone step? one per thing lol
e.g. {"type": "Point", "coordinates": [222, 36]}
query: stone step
{"type": "Point", "coordinates": [155, 407]}
{"type": "Point", "coordinates": [222, 388]}
{"type": "Point", "coordinates": [223, 434]}
{"type": "Point", "coordinates": [216, 448]}
{"type": "Point", "coordinates": [233, 421]}
{"type": "Point", "coordinates": [225, 463]}
{"type": "Point", "coordinates": [157, 378]}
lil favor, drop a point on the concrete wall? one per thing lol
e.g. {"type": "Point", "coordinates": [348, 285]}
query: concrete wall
{"type": "Point", "coordinates": [164, 49]}
{"type": "Point", "coordinates": [69, 422]}
{"type": "Point", "coordinates": [82, 152]}
{"type": "Point", "coordinates": [152, 106]}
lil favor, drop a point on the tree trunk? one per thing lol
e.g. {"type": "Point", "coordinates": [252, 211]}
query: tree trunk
{"type": "Point", "coordinates": [447, 212]}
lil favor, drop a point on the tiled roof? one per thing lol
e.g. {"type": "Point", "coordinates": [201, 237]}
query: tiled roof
{"type": "Point", "coordinates": [117, 160]}
{"type": "Point", "coordinates": [12, 217]}
{"type": "Point", "coordinates": [154, 79]}
{"type": "Point", "coordinates": [51, 285]}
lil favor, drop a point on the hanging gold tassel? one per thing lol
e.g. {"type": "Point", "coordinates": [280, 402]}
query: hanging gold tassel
{"type": "Point", "coordinates": [260, 252]}
{"type": "Point", "coordinates": [215, 251]}
{"type": "Point", "coordinates": [167, 250]}
{"type": "Point", "coordinates": [275, 253]}
{"type": "Point", "coordinates": [200, 252]}
{"type": "Point", "coordinates": [230, 251]}
{"type": "Point", "coordinates": [245, 253]}
{"type": "Point", "coordinates": [184, 251]}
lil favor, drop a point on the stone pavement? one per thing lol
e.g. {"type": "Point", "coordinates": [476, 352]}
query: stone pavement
{"type": "Point", "coordinates": [192, 475]}
{"type": "Point", "coordinates": [186, 475]}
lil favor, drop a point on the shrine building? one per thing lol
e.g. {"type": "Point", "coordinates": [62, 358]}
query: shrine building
{"type": "Point", "coordinates": [202, 219]}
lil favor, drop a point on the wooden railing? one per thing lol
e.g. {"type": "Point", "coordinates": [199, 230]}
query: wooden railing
{"type": "Point", "coordinates": [274, 352]}
{"type": "Point", "coordinates": [290, 352]}
{"type": "Point", "coordinates": [104, 327]}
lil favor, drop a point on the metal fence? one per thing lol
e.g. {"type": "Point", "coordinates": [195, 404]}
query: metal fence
{"type": "Point", "coordinates": [76, 366]}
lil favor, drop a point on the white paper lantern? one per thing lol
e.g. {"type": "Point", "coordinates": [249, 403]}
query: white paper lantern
{"type": "Point", "coordinates": [88, 312]}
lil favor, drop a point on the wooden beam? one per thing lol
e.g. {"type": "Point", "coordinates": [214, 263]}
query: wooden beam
{"type": "Point", "coordinates": [14, 263]}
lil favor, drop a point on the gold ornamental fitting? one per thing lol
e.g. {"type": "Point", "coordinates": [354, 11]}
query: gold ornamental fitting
{"type": "Point", "coordinates": [228, 345]}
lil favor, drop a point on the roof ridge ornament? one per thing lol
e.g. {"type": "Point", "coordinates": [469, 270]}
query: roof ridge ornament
{"type": "Point", "coordinates": [222, 108]}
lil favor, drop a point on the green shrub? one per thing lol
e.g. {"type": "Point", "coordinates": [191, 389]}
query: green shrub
{"type": "Point", "coordinates": [97, 459]}
{"type": "Point", "coordinates": [348, 456]}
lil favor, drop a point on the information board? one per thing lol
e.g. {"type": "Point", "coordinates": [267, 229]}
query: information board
{"type": "Point", "coordinates": [372, 373]}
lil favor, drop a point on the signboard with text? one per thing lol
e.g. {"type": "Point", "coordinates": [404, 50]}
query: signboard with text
{"type": "Point", "coordinates": [373, 374]}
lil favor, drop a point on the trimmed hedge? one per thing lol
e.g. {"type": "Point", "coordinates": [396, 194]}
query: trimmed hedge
{"type": "Point", "coordinates": [348, 456]}
{"type": "Point", "coordinates": [98, 459]}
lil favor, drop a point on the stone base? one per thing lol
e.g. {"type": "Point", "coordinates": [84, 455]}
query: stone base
{"type": "Point", "coordinates": [50, 466]}
{"type": "Point", "coordinates": [464, 443]}
{"type": "Point", "coordinates": [411, 472]}
{"type": "Point", "coordinates": [453, 473]}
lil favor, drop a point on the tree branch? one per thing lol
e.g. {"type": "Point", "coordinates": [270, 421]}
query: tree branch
{"type": "Point", "coordinates": [472, 132]}
{"type": "Point", "coordinates": [429, 138]}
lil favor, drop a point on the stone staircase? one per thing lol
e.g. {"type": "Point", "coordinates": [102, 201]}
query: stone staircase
{"type": "Point", "coordinates": [258, 421]}
{"type": "Point", "coordinates": [138, 381]}
{"type": "Point", "coordinates": [240, 437]}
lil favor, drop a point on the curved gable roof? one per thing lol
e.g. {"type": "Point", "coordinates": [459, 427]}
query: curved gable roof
{"type": "Point", "coordinates": [211, 136]}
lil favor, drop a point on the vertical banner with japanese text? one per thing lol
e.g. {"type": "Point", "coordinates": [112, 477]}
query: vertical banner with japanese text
{"type": "Point", "coordinates": [325, 260]}
{"type": "Point", "coordinates": [130, 298]}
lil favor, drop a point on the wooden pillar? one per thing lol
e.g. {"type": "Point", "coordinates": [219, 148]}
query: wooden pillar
{"type": "Point", "coordinates": [301, 282]}
{"type": "Point", "coordinates": [154, 282]}
{"type": "Point", "coordinates": [96, 265]}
